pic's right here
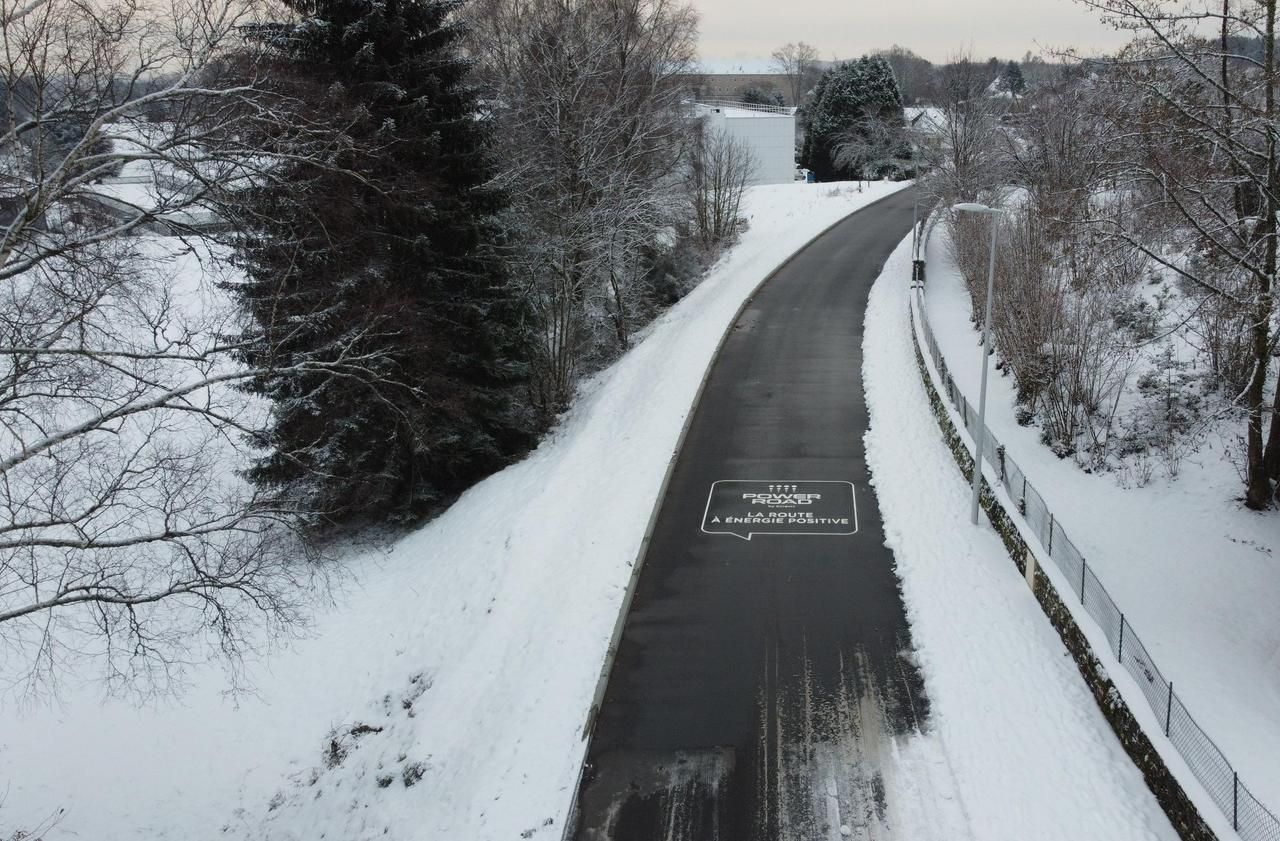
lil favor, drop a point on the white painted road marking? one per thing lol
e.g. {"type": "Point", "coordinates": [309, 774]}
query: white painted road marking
{"type": "Point", "coordinates": [745, 507]}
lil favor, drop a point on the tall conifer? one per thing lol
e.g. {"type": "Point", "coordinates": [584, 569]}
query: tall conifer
{"type": "Point", "coordinates": [381, 255]}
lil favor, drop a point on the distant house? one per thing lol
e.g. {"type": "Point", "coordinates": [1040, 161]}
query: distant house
{"type": "Point", "coordinates": [925, 120]}
{"type": "Point", "coordinates": [926, 128]}
{"type": "Point", "coordinates": [768, 131]}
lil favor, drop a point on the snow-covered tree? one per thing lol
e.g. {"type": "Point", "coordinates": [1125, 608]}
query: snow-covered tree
{"type": "Point", "coordinates": [128, 546]}
{"type": "Point", "coordinates": [857, 106]}
{"type": "Point", "coordinates": [1011, 79]}
{"type": "Point", "coordinates": [386, 253]}
{"type": "Point", "coordinates": [721, 167]}
{"type": "Point", "coordinates": [1195, 134]}
{"type": "Point", "coordinates": [594, 136]}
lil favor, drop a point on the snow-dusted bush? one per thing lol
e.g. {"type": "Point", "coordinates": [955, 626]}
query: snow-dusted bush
{"type": "Point", "coordinates": [1054, 319]}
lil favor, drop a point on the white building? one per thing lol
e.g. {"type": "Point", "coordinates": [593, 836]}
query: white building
{"type": "Point", "coordinates": [768, 131]}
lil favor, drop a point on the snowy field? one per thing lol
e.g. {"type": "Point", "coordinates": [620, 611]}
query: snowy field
{"type": "Point", "coordinates": [442, 696]}
{"type": "Point", "coordinates": [1031, 755]}
{"type": "Point", "coordinates": [1195, 572]}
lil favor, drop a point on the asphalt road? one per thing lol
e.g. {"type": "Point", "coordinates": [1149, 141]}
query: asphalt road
{"type": "Point", "coordinates": [760, 682]}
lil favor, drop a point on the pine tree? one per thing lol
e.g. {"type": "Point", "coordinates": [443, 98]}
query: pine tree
{"type": "Point", "coordinates": [807, 114]}
{"type": "Point", "coordinates": [882, 100]}
{"type": "Point", "coordinates": [849, 95]}
{"type": "Point", "coordinates": [381, 256]}
{"type": "Point", "coordinates": [837, 104]}
{"type": "Point", "coordinates": [1011, 79]}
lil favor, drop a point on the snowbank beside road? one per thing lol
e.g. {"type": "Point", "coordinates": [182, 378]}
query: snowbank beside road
{"type": "Point", "coordinates": [443, 696]}
{"type": "Point", "coordinates": [1196, 574]}
{"type": "Point", "coordinates": [1031, 754]}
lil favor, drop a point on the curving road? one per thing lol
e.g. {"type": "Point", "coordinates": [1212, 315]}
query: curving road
{"type": "Point", "coordinates": [764, 682]}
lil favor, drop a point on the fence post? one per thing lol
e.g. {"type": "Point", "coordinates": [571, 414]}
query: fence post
{"type": "Point", "coordinates": [1120, 653]}
{"type": "Point", "coordinates": [1084, 566]}
{"type": "Point", "coordinates": [1000, 455]}
{"type": "Point", "coordinates": [1168, 709]}
{"type": "Point", "coordinates": [1235, 800]}
{"type": "Point", "coordinates": [1022, 502]}
{"type": "Point", "coordinates": [1050, 534]}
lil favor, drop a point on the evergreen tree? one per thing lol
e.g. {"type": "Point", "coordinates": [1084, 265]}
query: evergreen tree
{"type": "Point", "coordinates": [762, 96]}
{"type": "Point", "coordinates": [994, 68]}
{"type": "Point", "coordinates": [1011, 79]}
{"type": "Point", "coordinates": [850, 97]}
{"type": "Point", "coordinates": [806, 114]}
{"type": "Point", "coordinates": [882, 100]}
{"type": "Point", "coordinates": [381, 256]}
{"type": "Point", "coordinates": [837, 104]}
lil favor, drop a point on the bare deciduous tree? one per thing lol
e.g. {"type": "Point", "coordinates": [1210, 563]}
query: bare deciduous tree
{"type": "Point", "coordinates": [799, 63]}
{"type": "Point", "coordinates": [1057, 292]}
{"type": "Point", "coordinates": [873, 148]}
{"type": "Point", "coordinates": [587, 95]}
{"type": "Point", "coordinates": [721, 167]}
{"type": "Point", "coordinates": [964, 150]}
{"type": "Point", "coordinates": [1194, 124]}
{"type": "Point", "coordinates": [1058, 153]}
{"type": "Point", "coordinates": [127, 539]}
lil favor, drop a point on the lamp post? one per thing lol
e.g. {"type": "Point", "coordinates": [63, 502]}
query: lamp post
{"type": "Point", "coordinates": [981, 433]}
{"type": "Point", "coordinates": [916, 219]}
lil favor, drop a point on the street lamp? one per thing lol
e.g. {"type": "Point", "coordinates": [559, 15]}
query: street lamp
{"type": "Point", "coordinates": [981, 433]}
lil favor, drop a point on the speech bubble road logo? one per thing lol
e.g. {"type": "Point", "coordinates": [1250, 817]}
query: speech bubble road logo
{"type": "Point", "coordinates": [745, 508]}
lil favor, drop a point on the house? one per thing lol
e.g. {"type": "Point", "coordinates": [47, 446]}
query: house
{"type": "Point", "coordinates": [925, 120]}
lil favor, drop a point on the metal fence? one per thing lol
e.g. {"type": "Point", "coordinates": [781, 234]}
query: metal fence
{"type": "Point", "coordinates": [1252, 820]}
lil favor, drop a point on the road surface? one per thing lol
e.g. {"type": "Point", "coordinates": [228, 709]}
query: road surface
{"type": "Point", "coordinates": [764, 675]}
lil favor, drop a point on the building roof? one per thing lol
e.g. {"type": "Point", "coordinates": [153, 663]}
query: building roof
{"type": "Point", "coordinates": [926, 119]}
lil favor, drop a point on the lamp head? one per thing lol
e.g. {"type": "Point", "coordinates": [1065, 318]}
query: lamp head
{"type": "Point", "coordinates": [973, 207]}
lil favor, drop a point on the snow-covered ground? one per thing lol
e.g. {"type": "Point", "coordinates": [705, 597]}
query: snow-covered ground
{"type": "Point", "coordinates": [442, 695]}
{"type": "Point", "coordinates": [1196, 574]}
{"type": "Point", "coordinates": [1031, 755]}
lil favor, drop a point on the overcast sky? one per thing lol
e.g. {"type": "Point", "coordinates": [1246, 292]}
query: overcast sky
{"type": "Point", "coordinates": [746, 31]}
